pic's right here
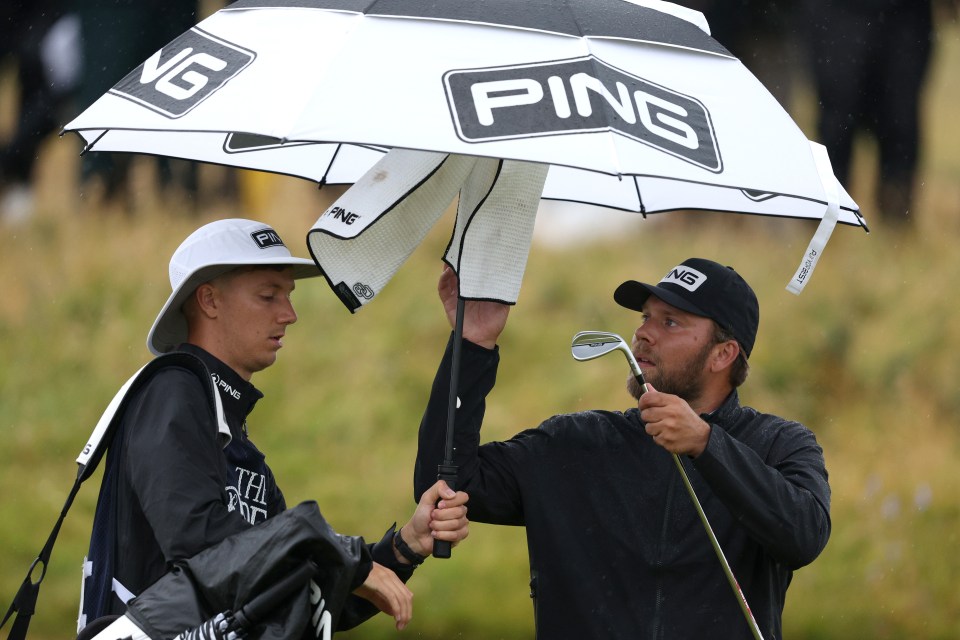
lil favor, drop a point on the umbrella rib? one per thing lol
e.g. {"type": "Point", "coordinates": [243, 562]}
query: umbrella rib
{"type": "Point", "coordinates": [643, 209]}
{"type": "Point", "coordinates": [573, 16]}
{"type": "Point", "coordinates": [326, 172]}
{"type": "Point", "coordinates": [89, 146]}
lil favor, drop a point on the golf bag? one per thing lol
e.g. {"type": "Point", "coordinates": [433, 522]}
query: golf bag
{"type": "Point", "coordinates": [285, 579]}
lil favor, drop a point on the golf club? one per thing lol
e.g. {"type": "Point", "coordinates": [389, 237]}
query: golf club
{"type": "Point", "coordinates": [588, 345]}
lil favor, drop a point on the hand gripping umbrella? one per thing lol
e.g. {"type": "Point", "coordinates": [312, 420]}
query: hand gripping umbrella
{"type": "Point", "coordinates": [627, 104]}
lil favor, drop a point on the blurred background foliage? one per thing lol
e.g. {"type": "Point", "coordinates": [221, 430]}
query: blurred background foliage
{"type": "Point", "coordinates": [866, 357]}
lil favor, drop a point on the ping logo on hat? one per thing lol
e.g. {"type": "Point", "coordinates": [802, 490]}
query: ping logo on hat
{"type": "Point", "coordinates": [266, 238]}
{"type": "Point", "coordinates": [686, 277]}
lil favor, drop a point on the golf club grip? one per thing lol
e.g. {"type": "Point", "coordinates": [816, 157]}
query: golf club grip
{"type": "Point", "coordinates": [643, 383]}
{"type": "Point", "coordinates": [447, 473]}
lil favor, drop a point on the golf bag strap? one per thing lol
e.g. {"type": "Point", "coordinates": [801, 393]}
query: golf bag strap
{"type": "Point", "coordinates": [25, 602]}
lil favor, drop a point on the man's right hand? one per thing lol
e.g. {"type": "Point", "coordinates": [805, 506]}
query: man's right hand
{"type": "Point", "coordinates": [388, 593]}
{"type": "Point", "coordinates": [483, 321]}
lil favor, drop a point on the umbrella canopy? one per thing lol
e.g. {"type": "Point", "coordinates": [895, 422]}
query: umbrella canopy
{"type": "Point", "coordinates": [631, 103]}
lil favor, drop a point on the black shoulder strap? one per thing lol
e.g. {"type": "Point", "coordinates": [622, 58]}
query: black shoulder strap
{"type": "Point", "coordinates": [24, 603]}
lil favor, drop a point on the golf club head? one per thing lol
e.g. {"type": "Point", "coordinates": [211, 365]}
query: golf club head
{"type": "Point", "coordinates": [588, 345]}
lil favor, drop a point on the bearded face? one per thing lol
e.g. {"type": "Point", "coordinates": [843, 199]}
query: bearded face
{"type": "Point", "coordinates": [684, 379]}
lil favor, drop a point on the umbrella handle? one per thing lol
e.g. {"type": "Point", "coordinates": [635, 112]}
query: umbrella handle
{"type": "Point", "coordinates": [448, 470]}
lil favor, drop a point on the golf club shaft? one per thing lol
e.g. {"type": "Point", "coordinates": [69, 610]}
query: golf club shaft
{"type": "Point", "coordinates": [751, 621]}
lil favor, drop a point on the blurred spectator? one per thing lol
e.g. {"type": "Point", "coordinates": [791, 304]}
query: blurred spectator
{"type": "Point", "coordinates": [762, 34]}
{"type": "Point", "coordinates": [870, 60]}
{"type": "Point", "coordinates": [43, 39]}
{"type": "Point", "coordinates": [118, 35]}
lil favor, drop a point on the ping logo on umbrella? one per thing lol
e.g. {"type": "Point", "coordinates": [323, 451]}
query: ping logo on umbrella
{"type": "Point", "coordinates": [579, 96]}
{"type": "Point", "coordinates": [184, 73]}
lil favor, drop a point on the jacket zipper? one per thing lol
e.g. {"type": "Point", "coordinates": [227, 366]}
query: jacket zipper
{"type": "Point", "coordinates": [663, 538]}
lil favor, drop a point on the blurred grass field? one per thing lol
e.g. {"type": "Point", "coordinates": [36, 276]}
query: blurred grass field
{"type": "Point", "coordinates": [866, 356]}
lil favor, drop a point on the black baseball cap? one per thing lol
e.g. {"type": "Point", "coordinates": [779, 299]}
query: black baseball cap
{"type": "Point", "coordinates": [705, 288]}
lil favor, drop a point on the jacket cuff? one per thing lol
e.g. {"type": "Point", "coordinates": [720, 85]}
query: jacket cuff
{"type": "Point", "coordinates": [474, 347]}
{"type": "Point", "coordinates": [364, 567]}
{"type": "Point", "coordinates": [382, 553]}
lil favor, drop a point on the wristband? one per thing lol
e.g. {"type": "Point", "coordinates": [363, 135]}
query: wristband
{"type": "Point", "coordinates": [409, 554]}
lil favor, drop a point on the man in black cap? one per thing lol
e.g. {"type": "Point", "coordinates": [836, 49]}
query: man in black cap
{"type": "Point", "coordinates": [615, 543]}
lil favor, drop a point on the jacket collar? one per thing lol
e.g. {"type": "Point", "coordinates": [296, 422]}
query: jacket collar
{"type": "Point", "coordinates": [237, 395]}
{"type": "Point", "coordinates": [726, 412]}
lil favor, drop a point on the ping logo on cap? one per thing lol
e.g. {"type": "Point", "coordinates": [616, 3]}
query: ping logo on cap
{"type": "Point", "coordinates": [266, 238]}
{"type": "Point", "coordinates": [689, 279]}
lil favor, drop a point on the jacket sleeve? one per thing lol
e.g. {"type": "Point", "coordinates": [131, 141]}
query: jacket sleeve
{"type": "Point", "coordinates": [357, 609]}
{"type": "Point", "coordinates": [783, 501]}
{"type": "Point", "coordinates": [485, 472]}
{"type": "Point", "coordinates": [176, 467]}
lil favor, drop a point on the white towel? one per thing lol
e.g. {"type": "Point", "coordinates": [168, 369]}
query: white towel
{"type": "Point", "coordinates": [370, 231]}
{"type": "Point", "coordinates": [364, 237]}
{"type": "Point", "coordinates": [495, 220]}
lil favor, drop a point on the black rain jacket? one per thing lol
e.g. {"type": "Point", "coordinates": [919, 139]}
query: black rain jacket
{"type": "Point", "coordinates": [171, 488]}
{"type": "Point", "coordinates": [616, 547]}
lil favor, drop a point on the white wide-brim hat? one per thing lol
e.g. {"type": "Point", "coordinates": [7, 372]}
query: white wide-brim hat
{"type": "Point", "coordinates": [208, 252]}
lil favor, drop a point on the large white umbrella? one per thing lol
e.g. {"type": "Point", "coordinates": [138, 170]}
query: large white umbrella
{"type": "Point", "coordinates": [631, 104]}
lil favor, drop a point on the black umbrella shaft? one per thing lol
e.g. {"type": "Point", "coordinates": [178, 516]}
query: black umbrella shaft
{"type": "Point", "coordinates": [448, 470]}
{"type": "Point", "coordinates": [454, 383]}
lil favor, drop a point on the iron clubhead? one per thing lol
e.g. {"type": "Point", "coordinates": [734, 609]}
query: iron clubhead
{"type": "Point", "coordinates": [587, 345]}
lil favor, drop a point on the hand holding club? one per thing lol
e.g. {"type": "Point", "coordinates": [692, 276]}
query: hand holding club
{"type": "Point", "coordinates": [672, 423]}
